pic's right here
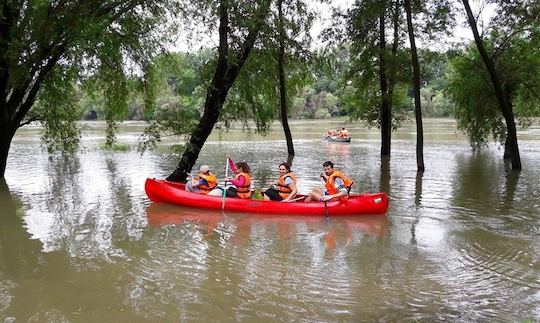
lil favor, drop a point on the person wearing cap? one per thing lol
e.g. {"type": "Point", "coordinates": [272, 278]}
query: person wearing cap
{"type": "Point", "coordinates": [203, 183]}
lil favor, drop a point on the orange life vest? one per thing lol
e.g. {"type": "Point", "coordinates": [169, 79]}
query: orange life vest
{"type": "Point", "coordinates": [211, 179]}
{"type": "Point", "coordinates": [284, 189]}
{"type": "Point", "coordinates": [330, 184]}
{"type": "Point", "coordinates": [244, 191]}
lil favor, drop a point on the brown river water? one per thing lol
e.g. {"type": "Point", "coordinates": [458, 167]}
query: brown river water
{"type": "Point", "coordinates": [81, 242]}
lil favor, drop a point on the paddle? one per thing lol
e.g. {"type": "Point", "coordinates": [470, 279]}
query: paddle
{"type": "Point", "coordinates": [326, 211]}
{"type": "Point", "coordinates": [325, 205]}
{"type": "Point", "coordinates": [225, 184]}
{"type": "Point", "coordinates": [297, 199]}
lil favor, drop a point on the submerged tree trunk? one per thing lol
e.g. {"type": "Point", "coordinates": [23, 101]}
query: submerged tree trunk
{"type": "Point", "coordinates": [385, 114]}
{"type": "Point", "coordinates": [227, 70]}
{"type": "Point", "coordinates": [416, 86]}
{"type": "Point", "coordinates": [393, 71]}
{"type": "Point", "coordinates": [6, 135]}
{"type": "Point", "coordinates": [282, 87]}
{"type": "Point", "coordinates": [511, 146]}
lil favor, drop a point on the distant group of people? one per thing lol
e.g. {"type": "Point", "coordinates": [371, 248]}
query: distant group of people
{"type": "Point", "coordinates": [336, 184]}
{"type": "Point", "coordinates": [343, 133]}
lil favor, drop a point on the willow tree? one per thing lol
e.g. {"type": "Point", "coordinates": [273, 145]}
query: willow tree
{"type": "Point", "coordinates": [513, 41]}
{"type": "Point", "coordinates": [239, 27]}
{"type": "Point", "coordinates": [283, 56]}
{"type": "Point", "coordinates": [370, 25]}
{"type": "Point", "coordinates": [46, 45]}
{"type": "Point", "coordinates": [515, 20]}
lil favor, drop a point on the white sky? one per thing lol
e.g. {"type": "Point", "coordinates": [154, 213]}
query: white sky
{"type": "Point", "coordinates": [462, 32]}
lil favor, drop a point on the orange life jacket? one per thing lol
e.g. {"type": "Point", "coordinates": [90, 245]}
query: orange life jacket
{"type": "Point", "coordinates": [244, 191]}
{"type": "Point", "coordinates": [330, 184]}
{"type": "Point", "coordinates": [284, 189]}
{"type": "Point", "coordinates": [211, 179]}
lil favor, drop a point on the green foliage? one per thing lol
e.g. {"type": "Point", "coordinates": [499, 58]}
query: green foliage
{"type": "Point", "coordinates": [255, 93]}
{"type": "Point", "coordinates": [470, 88]}
{"type": "Point", "coordinates": [59, 112]}
{"type": "Point", "coordinates": [113, 82]}
{"type": "Point", "coordinates": [43, 39]}
{"type": "Point", "coordinates": [476, 110]}
{"type": "Point", "coordinates": [322, 114]}
{"type": "Point", "coordinates": [170, 119]}
{"type": "Point", "coordinates": [257, 195]}
{"type": "Point", "coordinates": [179, 80]}
{"type": "Point", "coordinates": [117, 147]}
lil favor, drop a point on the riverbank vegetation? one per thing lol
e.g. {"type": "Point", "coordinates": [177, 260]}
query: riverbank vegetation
{"type": "Point", "coordinates": [115, 66]}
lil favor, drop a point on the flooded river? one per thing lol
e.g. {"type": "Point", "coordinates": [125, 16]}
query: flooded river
{"type": "Point", "coordinates": [81, 242]}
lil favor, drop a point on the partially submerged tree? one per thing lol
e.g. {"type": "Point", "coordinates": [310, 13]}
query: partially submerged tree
{"type": "Point", "coordinates": [515, 21]}
{"type": "Point", "coordinates": [239, 27]}
{"type": "Point", "coordinates": [369, 25]}
{"type": "Point", "coordinates": [506, 109]}
{"type": "Point", "coordinates": [416, 89]}
{"type": "Point", "coordinates": [45, 46]}
{"type": "Point", "coordinates": [469, 86]}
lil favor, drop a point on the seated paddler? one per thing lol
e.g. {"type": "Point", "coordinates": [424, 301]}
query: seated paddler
{"type": "Point", "coordinates": [203, 182]}
{"type": "Point", "coordinates": [284, 188]}
{"type": "Point", "coordinates": [241, 183]}
{"type": "Point", "coordinates": [336, 185]}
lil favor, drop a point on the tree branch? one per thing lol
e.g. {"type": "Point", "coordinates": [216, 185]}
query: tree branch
{"type": "Point", "coordinates": [29, 121]}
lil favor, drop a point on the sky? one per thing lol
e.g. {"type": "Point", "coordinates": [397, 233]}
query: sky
{"type": "Point", "coordinates": [462, 32]}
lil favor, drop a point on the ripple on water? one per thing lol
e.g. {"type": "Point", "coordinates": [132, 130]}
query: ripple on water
{"type": "Point", "coordinates": [492, 272]}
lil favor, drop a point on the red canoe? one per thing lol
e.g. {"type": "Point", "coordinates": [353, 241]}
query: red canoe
{"type": "Point", "coordinates": [170, 192]}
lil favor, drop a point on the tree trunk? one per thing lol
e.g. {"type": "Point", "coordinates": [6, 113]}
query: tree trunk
{"type": "Point", "coordinates": [416, 86]}
{"type": "Point", "coordinates": [282, 88]}
{"type": "Point", "coordinates": [212, 109]}
{"type": "Point", "coordinates": [384, 180]}
{"type": "Point", "coordinates": [507, 153]}
{"type": "Point", "coordinates": [6, 135]}
{"type": "Point", "coordinates": [506, 108]}
{"type": "Point", "coordinates": [223, 79]}
{"type": "Point", "coordinates": [386, 118]}
{"type": "Point", "coordinates": [393, 69]}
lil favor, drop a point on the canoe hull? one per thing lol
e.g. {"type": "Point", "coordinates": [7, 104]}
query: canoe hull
{"type": "Point", "coordinates": [162, 191]}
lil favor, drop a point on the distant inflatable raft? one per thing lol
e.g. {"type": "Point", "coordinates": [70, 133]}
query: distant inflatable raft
{"type": "Point", "coordinates": [336, 138]}
{"type": "Point", "coordinates": [163, 191]}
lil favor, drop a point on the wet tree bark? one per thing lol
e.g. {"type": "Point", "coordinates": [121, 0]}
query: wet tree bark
{"type": "Point", "coordinates": [282, 87]}
{"type": "Point", "coordinates": [6, 135]}
{"type": "Point", "coordinates": [511, 146]}
{"type": "Point", "coordinates": [392, 78]}
{"type": "Point", "coordinates": [227, 70]}
{"type": "Point", "coordinates": [416, 86]}
{"type": "Point", "coordinates": [385, 117]}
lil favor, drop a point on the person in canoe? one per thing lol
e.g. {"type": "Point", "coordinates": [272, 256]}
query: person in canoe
{"type": "Point", "coordinates": [284, 188]}
{"type": "Point", "coordinates": [331, 133]}
{"type": "Point", "coordinates": [343, 133]}
{"type": "Point", "coordinates": [336, 185]}
{"type": "Point", "coordinates": [203, 182]}
{"type": "Point", "coordinates": [241, 182]}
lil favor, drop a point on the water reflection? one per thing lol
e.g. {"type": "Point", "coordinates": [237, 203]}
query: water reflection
{"type": "Point", "coordinates": [79, 240]}
{"type": "Point", "coordinates": [418, 188]}
{"type": "Point", "coordinates": [486, 189]}
{"type": "Point", "coordinates": [384, 182]}
{"type": "Point", "coordinates": [208, 221]}
{"type": "Point", "coordinates": [339, 150]}
{"type": "Point", "coordinates": [511, 183]}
